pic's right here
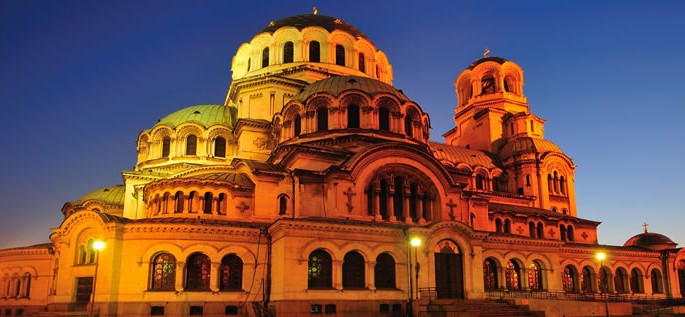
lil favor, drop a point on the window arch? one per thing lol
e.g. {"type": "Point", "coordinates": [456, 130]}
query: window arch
{"type": "Point", "coordinates": [353, 116]}
{"type": "Point", "coordinates": [490, 274]}
{"type": "Point", "coordinates": [487, 84]}
{"type": "Point", "coordinates": [82, 254]}
{"type": "Point", "coordinates": [383, 199]}
{"type": "Point", "coordinates": [604, 278]}
{"type": "Point", "coordinates": [513, 275]}
{"type": "Point", "coordinates": [398, 197]}
{"type": "Point", "coordinates": [569, 233]}
{"type": "Point", "coordinates": [91, 252]}
{"type": "Point", "coordinates": [26, 285]}
{"type": "Point", "coordinates": [531, 229]}
{"type": "Point", "coordinates": [535, 276]}
{"type": "Point", "coordinates": [166, 145]}
{"type": "Point", "coordinates": [541, 230]}
{"type": "Point", "coordinates": [163, 272]}
{"type": "Point", "coordinates": [282, 205]}
{"type": "Point", "coordinates": [556, 182]}
{"type": "Point", "coordinates": [562, 232]}
{"type": "Point", "coordinates": [178, 198]}
{"type": "Point", "coordinates": [191, 145]}
{"type": "Point", "coordinates": [362, 63]}
{"type": "Point", "coordinates": [314, 51]}
{"type": "Point", "coordinates": [319, 270]}
{"type": "Point", "coordinates": [198, 268]}
{"type": "Point", "coordinates": [220, 147]}
{"type": "Point", "coordinates": [586, 279]}
{"type": "Point", "coordinates": [340, 55]}
{"type": "Point", "coordinates": [297, 125]}
{"type": "Point", "coordinates": [480, 182]}
{"type": "Point", "coordinates": [221, 204]}
{"type": "Point", "coordinates": [288, 52]}
{"type": "Point", "coordinates": [265, 57]}
{"type": "Point", "coordinates": [507, 226]}
{"type": "Point", "coordinates": [353, 270]}
{"type": "Point", "coordinates": [498, 225]}
{"type": "Point", "coordinates": [384, 271]}
{"type": "Point", "coordinates": [384, 119]}
{"type": "Point", "coordinates": [408, 129]}
{"type": "Point", "coordinates": [569, 279]}
{"type": "Point", "coordinates": [192, 201]}
{"type": "Point", "coordinates": [636, 285]}
{"type": "Point", "coordinates": [620, 281]}
{"type": "Point", "coordinates": [231, 270]}
{"type": "Point", "coordinates": [207, 203]}
{"type": "Point", "coordinates": [321, 119]}
{"type": "Point", "coordinates": [562, 185]}
{"type": "Point", "coordinates": [657, 282]}
{"type": "Point", "coordinates": [549, 183]}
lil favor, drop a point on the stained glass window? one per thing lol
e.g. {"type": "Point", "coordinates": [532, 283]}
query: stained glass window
{"type": "Point", "coordinates": [198, 269]}
{"type": "Point", "coordinates": [490, 274]}
{"type": "Point", "coordinates": [535, 276]}
{"type": "Point", "coordinates": [568, 279]}
{"type": "Point", "coordinates": [163, 272]}
{"type": "Point", "coordinates": [513, 276]}
{"type": "Point", "coordinates": [586, 280]}
{"type": "Point", "coordinates": [288, 50]}
{"type": "Point", "coordinates": [620, 281]}
{"type": "Point", "coordinates": [231, 273]}
{"type": "Point", "coordinates": [319, 270]}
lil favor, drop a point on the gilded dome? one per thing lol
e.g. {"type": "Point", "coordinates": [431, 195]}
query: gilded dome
{"type": "Point", "coordinates": [305, 20]}
{"type": "Point", "coordinates": [204, 115]}
{"type": "Point", "coordinates": [527, 145]}
{"type": "Point", "coordinates": [338, 84]}
{"type": "Point", "coordinates": [651, 240]}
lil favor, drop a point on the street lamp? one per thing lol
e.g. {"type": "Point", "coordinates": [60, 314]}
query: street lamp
{"type": "Point", "coordinates": [98, 245]}
{"type": "Point", "coordinates": [601, 256]}
{"type": "Point", "coordinates": [415, 243]}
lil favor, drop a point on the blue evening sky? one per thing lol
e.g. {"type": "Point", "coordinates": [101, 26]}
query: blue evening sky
{"type": "Point", "coordinates": [80, 79]}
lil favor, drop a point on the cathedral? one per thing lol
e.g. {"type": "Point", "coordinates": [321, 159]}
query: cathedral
{"type": "Point", "coordinates": [315, 189]}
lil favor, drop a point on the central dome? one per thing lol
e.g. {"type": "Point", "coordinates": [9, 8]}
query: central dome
{"type": "Point", "coordinates": [305, 20]}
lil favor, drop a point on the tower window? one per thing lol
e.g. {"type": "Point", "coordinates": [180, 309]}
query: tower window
{"type": "Point", "coordinates": [191, 145]}
{"type": "Point", "coordinates": [297, 125]}
{"type": "Point", "coordinates": [179, 202]}
{"type": "Point", "coordinates": [353, 116]}
{"type": "Point", "coordinates": [265, 57]}
{"type": "Point", "coordinates": [488, 84]}
{"type": "Point", "coordinates": [208, 203]}
{"type": "Point", "coordinates": [362, 63]}
{"type": "Point", "coordinates": [340, 55]}
{"type": "Point", "coordinates": [220, 147]}
{"type": "Point", "coordinates": [288, 52]}
{"type": "Point", "coordinates": [321, 119]}
{"type": "Point", "coordinates": [282, 205]}
{"type": "Point", "coordinates": [480, 182]}
{"type": "Point", "coordinates": [220, 201]}
{"type": "Point", "coordinates": [384, 119]}
{"type": "Point", "coordinates": [314, 51]}
{"type": "Point", "coordinates": [166, 145]}
{"type": "Point", "coordinates": [507, 226]}
{"type": "Point", "coordinates": [408, 129]}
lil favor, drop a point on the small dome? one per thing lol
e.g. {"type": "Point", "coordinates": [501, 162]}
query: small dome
{"type": "Point", "coordinates": [496, 59]}
{"type": "Point", "coordinates": [112, 195]}
{"type": "Point", "coordinates": [338, 84]}
{"type": "Point", "coordinates": [304, 20]}
{"type": "Point", "coordinates": [527, 145]}
{"type": "Point", "coordinates": [204, 115]}
{"type": "Point", "coordinates": [651, 240]}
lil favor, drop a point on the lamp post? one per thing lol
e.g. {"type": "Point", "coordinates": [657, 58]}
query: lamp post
{"type": "Point", "coordinates": [604, 288]}
{"type": "Point", "coordinates": [415, 243]}
{"type": "Point", "coordinates": [98, 245]}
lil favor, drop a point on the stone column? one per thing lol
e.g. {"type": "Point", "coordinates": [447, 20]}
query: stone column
{"type": "Point", "coordinates": [406, 208]}
{"type": "Point", "coordinates": [376, 204]}
{"type": "Point", "coordinates": [420, 210]}
{"type": "Point", "coordinates": [180, 276]}
{"type": "Point", "coordinates": [214, 276]}
{"type": "Point", "coordinates": [391, 205]}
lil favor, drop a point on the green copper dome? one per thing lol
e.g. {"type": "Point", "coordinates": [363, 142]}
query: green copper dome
{"type": "Point", "coordinates": [204, 115]}
{"type": "Point", "coordinates": [109, 195]}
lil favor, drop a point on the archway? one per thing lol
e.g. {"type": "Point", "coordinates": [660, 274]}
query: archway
{"type": "Point", "coordinates": [449, 272]}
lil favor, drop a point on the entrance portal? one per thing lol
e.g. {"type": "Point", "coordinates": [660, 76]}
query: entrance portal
{"type": "Point", "coordinates": [449, 271]}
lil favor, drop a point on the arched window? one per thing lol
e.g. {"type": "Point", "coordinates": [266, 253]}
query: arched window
{"type": "Point", "coordinates": [192, 201]}
{"type": "Point", "coordinates": [569, 233]}
{"type": "Point", "coordinates": [562, 185]}
{"type": "Point", "coordinates": [319, 270]}
{"type": "Point", "coordinates": [82, 254]}
{"type": "Point", "coordinates": [17, 286]}
{"type": "Point", "coordinates": [220, 147]}
{"type": "Point", "coordinates": [398, 198]}
{"type": "Point", "coordinates": [321, 119]}
{"type": "Point", "coordinates": [288, 52]}
{"type": "Point", "coordinates": [527, 179]}
{"type": "Point", "coordinates": [384, 119]}
{"type": "Point", "coordinates": [362, 63]}
{"type": "Point", "coordinates": [556, 182]}
{"type": "Point", "coordinates": [249, 64]}
{"type": "Point", "coordinates": [265, 57]}
{"type": "Point", "coordinates": [562, 232]}
{"type": "Point", "coordinates": [353, 270]}
{"type": "Point", "coordinates": [487, 84]}
{"type": "Point", "coordinates": [314, 51]}
{"type": "Point", "coordinates": [282, 205]}
{"type": "Point", "coordinates": [208, 203]}
{"type": "Point", "coordinates": [163, 272]}
{"type": "Point", "coordinates": [166, 145]}
{"type": "Point", "coordinates": [498, 225]}
{"type": "Point", "coordinates": [231, 271]}
{"type": "Point", "coordinates": [165, 202]}
{"type": "Point", "coordinates": [568, 279]}
{"type": "Point", "coordinates": [636, 285]}
{"type": "Point", "coordinates": [513, 276]}
{"type": "Point", "coordinates": [531, 229]}
{"type": "Point", "coordinates": [490, 274]}
{"type": "Point", "coordinates": [353, 116]}
{"type": "Point", "coordinates": [191, 145]}
{"type": "Point", "coordinates": [535, 276]}
{"type": "Point", "coordinates": [657, 283]}
{"type": "Point", "coordinates": [541, 230]}
{"type": "Point", "coordinates": [480, 182]}
{"type": "Point", "coordinates": [340, 55]}
{"type": "Point", "coordinates": [383, 199]}
{"type": "Point", "coordinates": [178, 198]}
{"type": "Point", "coordinates": [91, 252]}
{"type": "Point", "coordinates": [511, 128]}
{"type": "Point", "coordinates": [413, 201]}
{"type": "Point", "coordinates": [26, 285]}
{"type": "Point", "coordinates": [220, 204]}
{"type": "Point", "coordinates": [604, 278]}
{"type": "Point", "coordinates": [198, 268]}
{"type": "Point", "coordinates": [297, 125]}
{"type": "Point", "coordinates": [620, 281]}
{"type": "Point", "coordinates": [586, 280]}
{"type": "Point", "coordinates": [507, 226]}
{"type": "Point", "coordinates": [408, 129]}
{"type": "Point", "coordinates": [384, 271]}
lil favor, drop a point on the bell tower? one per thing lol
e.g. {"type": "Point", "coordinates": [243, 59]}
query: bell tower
{"type": "Point", "coordinates": [491, 106]}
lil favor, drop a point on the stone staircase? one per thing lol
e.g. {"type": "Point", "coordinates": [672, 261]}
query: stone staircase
{"type": "Point", "coordinates": [474, 308]}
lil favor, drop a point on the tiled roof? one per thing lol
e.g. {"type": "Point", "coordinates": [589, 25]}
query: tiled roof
{"type": "Point", "coordinates": [338, 84]}
{"type": "Point", "coordinates": [204, 115]}
{"type": "Point", "coordinates": [496, 59]}
{"type": "Point", "coordinates": [239, 179]}
{"type": "Point", "coordinates": [457, 154]}
{"type": "Point", "coordinates": [527, 145]}
{"type": "Point", "coordinates": [109, 195]}
{"type": "Point", "coordinates": [304, 20]}
{"type": "Point", "coordinates": [533, 211]}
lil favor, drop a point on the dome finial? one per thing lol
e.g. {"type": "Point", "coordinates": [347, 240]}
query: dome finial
{"type": "Point", "coordinates": [645, 225]}
{"type": "Point", "coordinates": [316, 10]}
{"type": "Point", "coordinates": [486, 53]}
